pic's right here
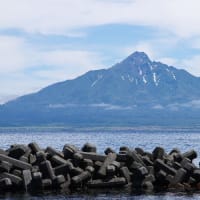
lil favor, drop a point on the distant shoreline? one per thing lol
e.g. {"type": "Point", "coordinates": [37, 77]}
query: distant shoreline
{"type": "Point", "coordinates": [31, 129]}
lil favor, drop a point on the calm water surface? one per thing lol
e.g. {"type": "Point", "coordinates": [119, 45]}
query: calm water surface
{"type": "Point", "coordinates": [147, 138]}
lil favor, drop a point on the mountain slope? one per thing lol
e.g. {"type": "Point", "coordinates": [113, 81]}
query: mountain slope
{"type": "Point", "coordinates": [134, 86]}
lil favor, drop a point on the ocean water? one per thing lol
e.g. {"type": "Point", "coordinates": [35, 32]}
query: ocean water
{"type": "Point", "coordinates": [184, 138]}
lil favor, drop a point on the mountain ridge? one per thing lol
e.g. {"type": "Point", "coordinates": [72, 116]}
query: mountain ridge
{"type": "Point", "coordinates": [136, 86]}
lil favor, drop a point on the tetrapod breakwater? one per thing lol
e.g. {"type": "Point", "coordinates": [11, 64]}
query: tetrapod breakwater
{"type": "Point", "coordinates": [31, 168]}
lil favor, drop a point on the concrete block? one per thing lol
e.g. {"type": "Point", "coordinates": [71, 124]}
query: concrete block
{"type": "Point", "coordinates": [27, 178]}
{"type": "Point", "coordinates": [76, 171]}
{"type": "Point", "coordinates": [69, 151]}
{"type": "Point", "coordinates": [81, 177]}
{"type": "Point", "coordinates": [158, 153]}
{"type": "Point", "coordinates": [17, 151]}
{"type": "Point", "coordinates": [110, 170]}
{"type": "Point", "coordinates": [24, 159]}
{"type": "Point", "coordinates": [16, 180]}
{"type": "Point", "coordinates": [5, 166]}
{"type": "Point", "coordinates": [16, 172]}
{"type": "Point", "coordinates": [16, 163]}
{"type": "Point", "coordinates": [60, 179]}
{"type": "Point", "coordinates": [124, 172]}
{"type": "Point", "coordinates": [109, 150]}
{"type": "Point", "coordinates": [46, 183]}
{"type": "Point", "coordinates": [114, 182]}
{"type": "Point", "coordinates": [63, 169]}
{"type": "Point", "coordinates": [97, 165]}
{"type": "Point", "coordinates": [54, 152]}
{"type": "Point", "coordinates": [88, 147]}
{"type": "Point", "coordinates": [147, 161]}
{"type": "Point", "coordinates": [41, 156]}
{"type": "Point", "coordinates": [109, 159]}
{"type": "Point", "coordinates": [47, 170]}
{"type": "Point", "coordinates": [147, 185]}
{"type": "Point", "coordinates": [93, 156]}
{"type": "Point", "coordinates": [90, 169]}
{"type": "Point", "coordinates": [190, 154]}
{"type": "Point", "coordinates": [5, 183]}
{"type": "Point", "coordinates": [139, 150]}
{"type": "Point", "coordinates": [32, 159]}
{"type": "Point", "coordinates": [161, 165]}
{"type": "Point", "coordinates": [57, 160]}
{"type": "Point", "coordinates": [34, 147]}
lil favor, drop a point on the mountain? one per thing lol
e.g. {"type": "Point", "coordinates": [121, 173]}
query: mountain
{"type": "Point", "coordinates": [134, 91]}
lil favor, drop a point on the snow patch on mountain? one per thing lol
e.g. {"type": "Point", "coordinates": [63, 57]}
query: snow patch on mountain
{"type": "Point", "coordinates": [140, 71]}
{"type": "Point", "coordinates": [155, 79]}
{"type": "Point", "coordinates": [173, 75]}
{"type": "Point", "coordinates": [99, 77]}
{"type": "Point", "coordinates": [131, 79]}
{"type": "Point", "coordinates": [122, 77]}
{"type": "Point", "coordinates": [144, 79]}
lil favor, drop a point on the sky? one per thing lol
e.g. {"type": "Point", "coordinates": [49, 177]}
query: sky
{"type": "Point", "coordinates": [48, 41]}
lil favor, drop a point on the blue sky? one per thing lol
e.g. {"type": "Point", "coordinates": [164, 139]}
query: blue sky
{"type": "Point", "coordinates": [42, 42]}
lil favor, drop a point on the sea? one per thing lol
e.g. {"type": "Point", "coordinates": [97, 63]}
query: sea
{"type": "Point", "coordinates": [183, 138]}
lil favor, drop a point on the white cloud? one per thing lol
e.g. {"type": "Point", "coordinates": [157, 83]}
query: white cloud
{"type": "Point", "coordinates": [169, 61]}
{"type": "Point", "coordinates": [12, 54]}
{"type": "Point", "coordinates": [181, 17]}
{"type": "Point", "coordinates": [25, 69]}
{"type": "Point", "coordinates": [72, 62]}
{"type": "Point", "coordinates": [155, 48]}
{"type": "Point", "coordinates": [158, 107]}
{"type": "Point", "coordinates": [194, 104]}
{"type": "Point", "coordinates": [192, 64]}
